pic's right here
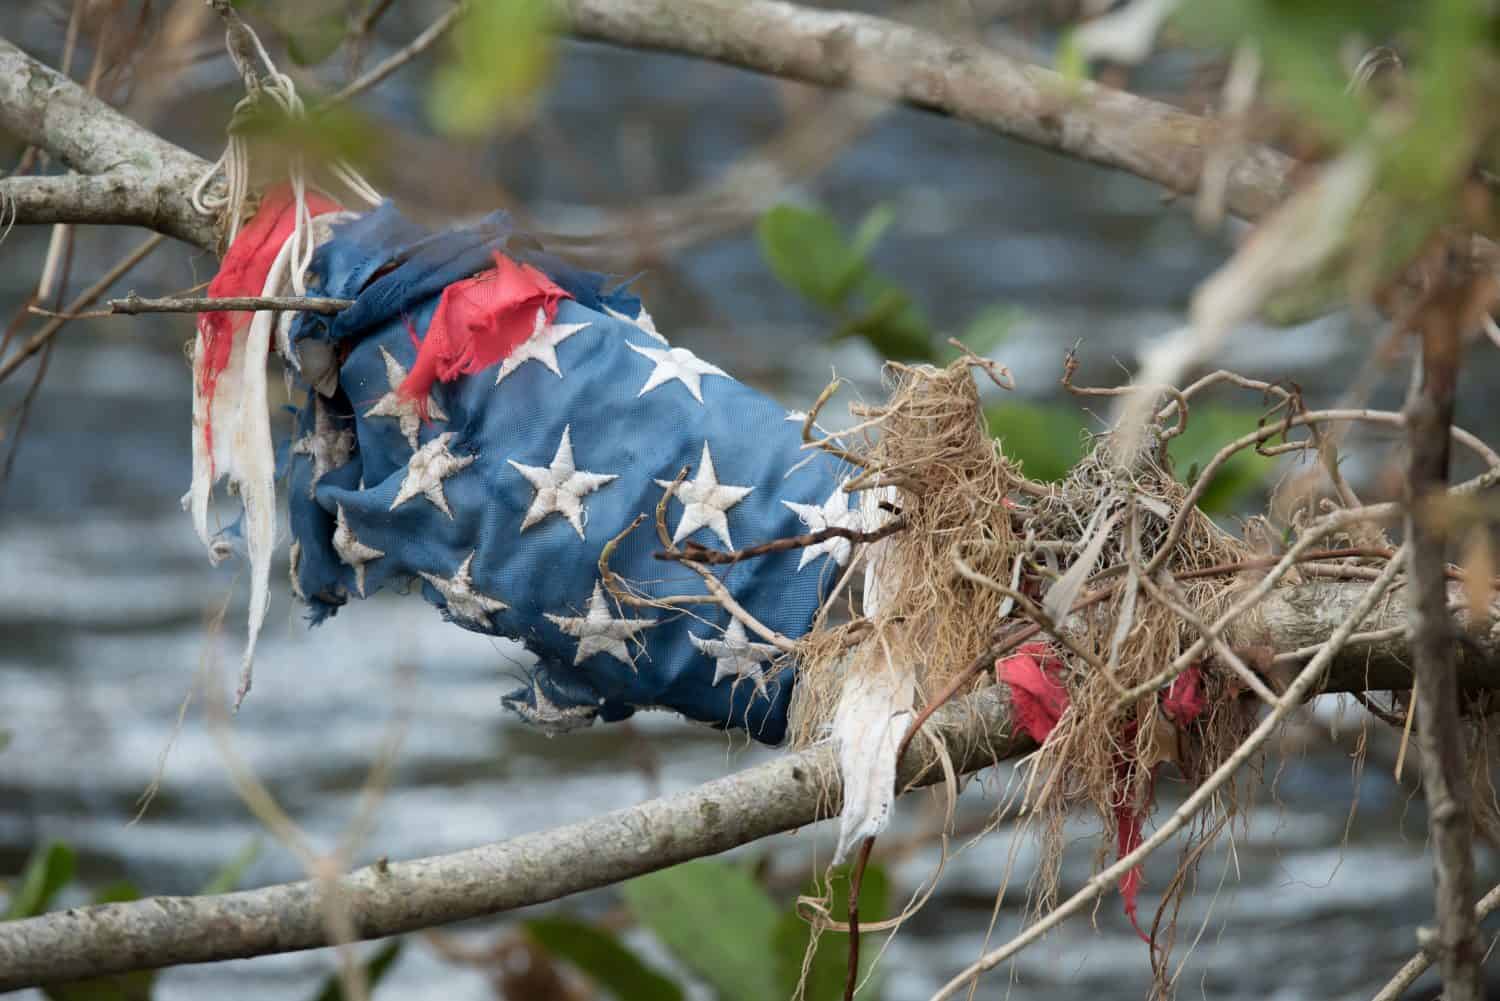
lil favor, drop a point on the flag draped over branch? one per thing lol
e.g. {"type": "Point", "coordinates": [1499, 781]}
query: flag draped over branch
{"type": "Point", "coordinates": [487, 418]}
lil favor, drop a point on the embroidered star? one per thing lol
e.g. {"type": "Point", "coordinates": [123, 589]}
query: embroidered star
{"type": "Point", "coordinates": [549, 717]}
{"type": "Point", "coordinates": [598, 631]}
{"type": "Point", "coordinates": [735, 656]}
{"type": "Point", "coordinates": [560, 487]}
{"type": "Point", "coordinates": [642, 322]}
{"type": "Point", "coordinates": [540, 346]}
{"type": "Point", "coordinates": [463, 602]}
{"type": "Point", "coordinates": [353, 552]}
{"type": "Point", "coordinates": [705, 501]}
{"type": "Point", "coordinates": [328, 447]}
{"type": "Point", "coordinates": [834, 513]}
{"type": "Point", "coordinates": [393, 404]}
{"type": "Point", "coordinates": [676, 363]}
{"type": "Point", "coordinates": [426, 470]}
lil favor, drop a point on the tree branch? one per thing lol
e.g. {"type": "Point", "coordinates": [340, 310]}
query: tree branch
{"type": "Point", "coordinates": [1440, 735]}
{"type": "Point", "coordinates": [789, 792]}
{"type": "Point", "coordinates": [139, 179]}
{"type": "Point", "coordinates": [890, 60]}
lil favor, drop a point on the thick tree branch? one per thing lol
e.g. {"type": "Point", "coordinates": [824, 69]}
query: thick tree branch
{"type": "Point", "coordinates": [790, 792]}
{"type": "Point", "coordinates": [139, 179]}
{"type": "Point", "coordinates": [891, 60]}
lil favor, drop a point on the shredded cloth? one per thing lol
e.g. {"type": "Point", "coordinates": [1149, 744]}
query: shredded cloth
{"type": "Point", "coordinates": [478, 426]}
{"type": "Point", "coordinates": [1038, 701]}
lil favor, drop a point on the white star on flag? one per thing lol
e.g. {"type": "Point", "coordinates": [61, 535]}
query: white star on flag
{"type": "Point", "coordinates": [328, 447]}
{"type": "Point", "coordinates": [551, 719]}
{"type": "Point", "coordinates": [353, 552]}
{"type": "Point", "coordinates": [735, 656]}
{"type": "Point", "coordinates": [705, 501]}
{"type": "Point", "coordinates": [598, 631]}
{"type": "Point", "coordinates": [560, 487]}
{"type": "Point", "coordinates": [393, 404]}
{"type": "Point", "coordinates": [428, 467]}
{"type": "Point", "coordinates": [540, 346]}
{"type": "Point", "coordinates": [676, 363]}
{"type": "Point", "coordinates": [835, 513]}
{"type": "Point", "coordinates": [642, 322]}
{"type": "Point", "coordinates": [465, 604]}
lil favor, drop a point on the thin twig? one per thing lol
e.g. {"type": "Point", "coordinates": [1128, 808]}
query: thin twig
{"type": "Point", "coordinates": [1300, 688]}
{"type": "Point", "coordinates": [1418, 964]}
{"type": "Point", "coordinates": [695, 552]}
{"type": "Point", "coordinates": [83, 301]}
{"type": "Point", "coordinates": [394, 62]}
{"type": "Point", "coordinates": [132, 305]}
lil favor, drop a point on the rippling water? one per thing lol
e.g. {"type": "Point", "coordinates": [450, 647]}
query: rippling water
{"type": "Point", "coordinates": [104, 591]}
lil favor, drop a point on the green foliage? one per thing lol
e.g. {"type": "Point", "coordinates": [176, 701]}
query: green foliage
{"type": "Point", "coordinates": [1046, 438]}
{"type": "Point", "coordinates": [324, 134]}
{"type": "Point", "coordinates": [829, 969]}
{"type": "Point", "coordinates": [599, 955]}
{"type": "Point", "coordinates": [376, 967]}
{"type": "Point", "coordinates": [1209, 429]}
{"type": "Point", "coordinates": [807, 251]}
{"type": "Point", "coordinates": [500, 57]}
{"type": "Point", "coordinates": [49, 869]}
{"type": "Point", "coordinates": [716, 920]}
{"type": "Point", "coordinates": [720, 923]}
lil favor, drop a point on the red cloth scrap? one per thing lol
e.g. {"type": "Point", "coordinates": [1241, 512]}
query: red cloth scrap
{"type": "Point", "coordinates": [478, 322]}
{"type": "Point", "coordinates": [1038, 700]}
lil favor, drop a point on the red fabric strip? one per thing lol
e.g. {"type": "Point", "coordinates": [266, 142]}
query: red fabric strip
{"type": "Point", "coordinates": [478, 322]}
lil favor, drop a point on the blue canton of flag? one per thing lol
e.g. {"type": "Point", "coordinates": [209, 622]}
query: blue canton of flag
{"type": "Point", "coordinates": [498, 502]}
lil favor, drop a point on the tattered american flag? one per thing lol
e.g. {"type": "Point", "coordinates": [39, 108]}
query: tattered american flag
{"type": "Point", "coordinates": [485, 418]}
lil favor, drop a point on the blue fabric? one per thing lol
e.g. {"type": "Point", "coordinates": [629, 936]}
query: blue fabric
{"type": "Point", "coordinates": [395, 272]}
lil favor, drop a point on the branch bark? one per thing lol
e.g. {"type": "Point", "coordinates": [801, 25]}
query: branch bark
{"type": "Point", "coordinates": [1429, 420]}
{"type": "Point", "coordinates": [789, 792]}
{"type": "Point", "coordinates": [890, 60]}
{"type": "Point", "coordinates": [132, 176]}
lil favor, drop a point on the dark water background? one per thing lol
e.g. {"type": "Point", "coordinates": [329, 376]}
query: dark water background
{"type": "Point", "coordinates": [104, 589]}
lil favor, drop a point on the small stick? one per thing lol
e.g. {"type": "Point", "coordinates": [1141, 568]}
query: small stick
{"type": "Point", "coordinates": [694, 552]}
{"type": "Point", "coordinates": [132, 304]}
{"type": "Point", "coordinates": [1411, 714]}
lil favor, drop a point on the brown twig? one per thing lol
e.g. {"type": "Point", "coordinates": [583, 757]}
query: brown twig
{"type": "Point", "coordinates": [83, 301]}
{"type": "Point", "coordinates": [132, 305]}
{"type": "Point", "coordinates": [406, 54]}
{"type": "Point", "coordinates": [856, 877]}
{"type": "Point", "coordinates": [1429, 417]}
{"type": "Point", "coordinates": [695, 552]}
{"type": "Point", "coordinates": [1417, 965]}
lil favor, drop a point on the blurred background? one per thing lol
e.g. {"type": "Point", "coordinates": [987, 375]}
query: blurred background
{"type": "Point", "coordinates": [727, 193]}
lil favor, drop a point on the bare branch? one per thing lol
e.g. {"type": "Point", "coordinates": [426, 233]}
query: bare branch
{"type": "Point", "coordinates": [133, 304]}
{"type": "Point", "coordinates": [790, 792]}
{"type": "Point", "coordinates": [890, 60]}
{"type": "Point", "coordinates": [1440, 735]}
{"type": "Point", "coordinates": [141, 179]}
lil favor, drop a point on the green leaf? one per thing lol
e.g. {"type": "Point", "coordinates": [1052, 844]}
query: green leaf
{"type": "Point", "coordinates": [227, 878]}
{"type": "Point", "coordinates": [1209, 429]}
{"type": "Point", "coordinates": [1046, 438]}
{"type": "Point", "coordinates": [893, 326]}
{"type": "Point", "coordinates": [716, 920]}
{"type": "Point", "coordinates": [5, 738]}
{"type": "Point", "coordinates": [807, 252]}
{"type": "Point", "coordinates": [50, 868]}
{"type": "Point", "coordinates": [376, 968]}
{"type": "Point", "coordinates": [830, 965]}
{"type": "Point", "coordinates": [118, 892]}
{"type": "Point", "coordinates": [600, 955]}
{"type": "Point", "coordinates": [502, 54]}
{"type": "Point", "coordinates": [871, 228]}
